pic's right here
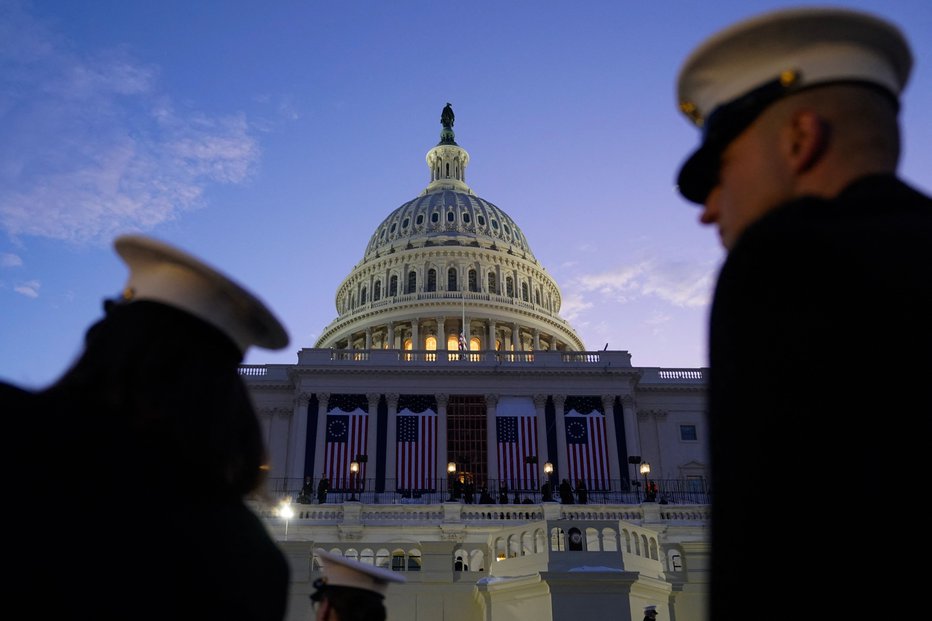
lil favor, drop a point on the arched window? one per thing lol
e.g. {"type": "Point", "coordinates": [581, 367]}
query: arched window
{"type": "Point", "coordinates": [576, 540]}
{"type": "Point", "coordinates": [382, 558]}
{"type": "Point", "coordinates": [412, 282]}
{"type": "Point", "coordinates": [414, 560]}
{"type": "Point", "coordinates": [431, 280]}
{"type": "Point", "coordinates": [609, 540]}
{"type": "Point", "coordinates": [430, 343]}
{"type": "Point", "coordinates": [377, 291]}
{"type": "Point", "coordinates": [451, 280]}
{"type": "Point", "coordinates": [537, 296]}
{"type": "Point", "coordinates": [493, 283]}
{"type": "Point", "coordinates": [509, 287]}
{"type": "Point", "coordinates": [398, 560]}
{"type": "Point", "coordinates": [472, 280]}
{"type": "Point", "coordinates": [393, 286]}
{"type": "Point", "coordinates": [557, 540]}
{"type": "Point", "coordinates": [461, 561]}
{"type": "Point", "coordinates": [362, 296]}
{"type": "Point", "coordinates": [525, 294]}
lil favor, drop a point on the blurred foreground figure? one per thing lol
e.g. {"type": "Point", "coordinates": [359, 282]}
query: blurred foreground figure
{"type": "Point", "coordinates": [350, 590]}
{"type": "Point", "coordinates": [130, 488]}
{"type": "Point", "coordinates": [821, 325]}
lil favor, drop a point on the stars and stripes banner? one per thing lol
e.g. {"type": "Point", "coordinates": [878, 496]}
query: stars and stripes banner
{"type": "Point", "coordinates": [416, 450]}
{"type": "Point", "coordinates": [587, 449]}
{"type": "Point", "coordinates": [346, 439]}
{"type": "Point", "coordinates": [463, 344]}
{"type": "Point", "coordinates": [516, 432]}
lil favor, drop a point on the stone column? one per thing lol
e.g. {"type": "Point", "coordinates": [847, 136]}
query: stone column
{"type": "Point", "coordinates": [297, 435]}
{"type": "Point", "coordinates": [491, 437]}
{"type": "Point", "coordinates": [614, 467]}
{"type": "Point", "coordinates": [391, 335]}
{"type": "Point", "coordinates": [491, 335]}
{"type": "Point", "coordinates": [536, 339]}
{"type": "Point", "coordinates": [441, 334]}
{"type": "Point", "coordinates": [369, 337]}
{"type": "Point", "coordinates": [564, 471]}
{"type": "Point", "coordinates": [372, 438]}
{"type": "Point", "coordinates": [440, 468]}
{"type": "Point", "coordinates": [390, 441]}
{"type": "Point", "coordinates": [515, 337]}
{"type": "Point", "coordinates": [540, 407]}
{"type": "Point", "coordinates": [322, 400]}
{"type": "Point", "coordinates": [415, 336]}
{"type": "Point", "coordinates": [632, 435]}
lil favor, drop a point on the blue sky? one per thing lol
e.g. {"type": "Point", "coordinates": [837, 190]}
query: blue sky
{"type": "Point", "coordinates": [272, 138]}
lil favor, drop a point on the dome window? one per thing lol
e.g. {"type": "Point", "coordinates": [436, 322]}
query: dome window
{"type": "Point", "coordinates": [493, 283]}
{"type": "Point", "coordinates": [394, 226]}
{"type": "Point", "coordinates": [382, 235]}
{"type": "Point", "coordinates": [362, 297]}
{"type": "Point", "coordinates": [480, 219]}
{"type": "Point", "coordinates": [466, 217]}
{"type": "Point", "coordinates": [495, 224]}
{"type": "Point", "coordinates": [377, 291]}
{"type": "Point", "coordinates": [473, 282]}
{"type": "Point", "coordinates": [412, 282]}
{"type": "Point", "coordinates": [405, 223]}
{"type": "Point", "coordinates": [435, 217]}
{"type": "Point", "coordinates": [451, 216]}
{"type": "Point", "coordinates": [452, 285]}
{"type": "Point", "coordinates": [393, 286]}
{"type": "Point", "coordinates": [509, 287]}
{"type": "Point", "coordinates": [419, 220]}
{"type": "Point", "coordinates": [431, 280]}
{"type": "Point", "coordinates": [506, 229]}
{"type": "Point", "coordinates": [525, 294]}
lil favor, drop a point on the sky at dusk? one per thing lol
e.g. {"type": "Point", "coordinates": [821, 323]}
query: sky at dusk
{"type": "Point", "coordinates": [271, 139]}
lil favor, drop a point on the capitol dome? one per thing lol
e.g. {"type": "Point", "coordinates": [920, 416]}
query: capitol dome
{"type": "Point", "coordinates": [446, 268]}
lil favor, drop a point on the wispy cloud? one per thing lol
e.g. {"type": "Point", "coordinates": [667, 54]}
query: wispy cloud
{"type": "Point", "coordinates": [680, 283]}
{"type": "Point", "coordinates": [10, 260]}
{"type": "Point", "coordinates": [89, 145]}
{"type": "Point", "coordinates": [30, 289]}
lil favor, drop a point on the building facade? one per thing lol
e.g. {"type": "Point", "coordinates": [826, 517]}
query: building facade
{"type": "Point", "coordinates": [466, 436]}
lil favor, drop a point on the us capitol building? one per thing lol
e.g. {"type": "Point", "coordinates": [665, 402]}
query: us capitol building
{"type": "Point", "coordinates": [466, 437]}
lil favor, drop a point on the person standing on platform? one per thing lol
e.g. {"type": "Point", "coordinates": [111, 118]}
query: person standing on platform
{"type": "Point", "coordinates": [566, 492]}
{"type": "Point", "coordinates": [323, 486]}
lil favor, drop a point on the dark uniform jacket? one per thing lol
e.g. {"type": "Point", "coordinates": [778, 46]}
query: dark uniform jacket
{"type": "Point", "coordinates": [819, 400]}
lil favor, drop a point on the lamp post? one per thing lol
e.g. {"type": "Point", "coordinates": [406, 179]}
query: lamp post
{"type": "Point", "coordinates": [286, 513]}
{"type": "Point", "coordinates": [353, 469]}
{"type": "Point", "coordinates": [451, 473]}
{"type": "Point", "coordinates": [548, 470]}
{"type": "Point", "coordinates": [645, 470]}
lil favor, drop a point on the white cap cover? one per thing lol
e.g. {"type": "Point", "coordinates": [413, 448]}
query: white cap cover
{"type": "Point", "coordinates": [735, 74]}
{"type": "Point", "coordinates": [162, 273]}
{"type": "Point", "coordinates": [345, 572]}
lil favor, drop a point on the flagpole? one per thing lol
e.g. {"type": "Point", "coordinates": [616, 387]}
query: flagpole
{"type": "Point", "coordinates": [462, 341]}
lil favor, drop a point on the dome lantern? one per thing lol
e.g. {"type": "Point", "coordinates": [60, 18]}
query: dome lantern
{"type": "Point", "coordinates": [447, 161]}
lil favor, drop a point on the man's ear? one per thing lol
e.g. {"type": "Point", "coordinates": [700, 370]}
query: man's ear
{"type": "Point", "coordinates": [806, 138]}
